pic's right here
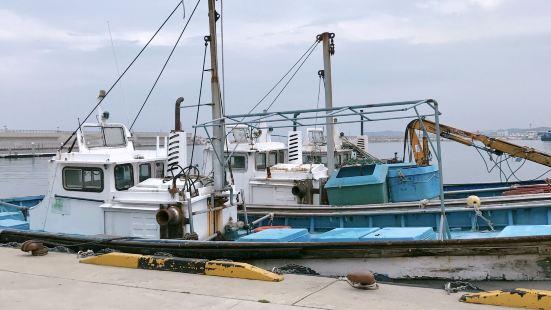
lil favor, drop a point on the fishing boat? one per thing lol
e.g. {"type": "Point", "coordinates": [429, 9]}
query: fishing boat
{"type": "Point", "coordinates": [546, 136]}
{"type": "Point", "coordinates": [96, 201]}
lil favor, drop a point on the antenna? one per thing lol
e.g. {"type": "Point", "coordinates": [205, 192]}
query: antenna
{"type": "Point", "coordinates": [116, 64]}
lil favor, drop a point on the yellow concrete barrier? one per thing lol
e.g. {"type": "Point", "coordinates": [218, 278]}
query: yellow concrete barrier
{"type": "Point", "coordinates": [127, 260]}
{"type": "Point", "coordinates": [520, 297]}
{"type": "Point", "coordinates": [240, 270]}
{"type": "Point", "coordinates": [114, 259]}
{"type": "Point", "coordinates": [185, 265]}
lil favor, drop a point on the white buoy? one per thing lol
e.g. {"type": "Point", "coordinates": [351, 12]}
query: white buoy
{"type": "Point", "coordinates": [473, 201]}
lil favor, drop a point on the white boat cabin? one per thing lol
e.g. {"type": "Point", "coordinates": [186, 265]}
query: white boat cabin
{"type": "Point", "coordinates": [109, 188]}
{"type": "Point", "coordinates": [264, 170]}
{"type": "Point", "coordinates": [248, 155]}
{"type": "Point", "coordinates": [267, 171]}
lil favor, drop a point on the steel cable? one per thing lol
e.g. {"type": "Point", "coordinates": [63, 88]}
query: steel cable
{"type": "Point", "coordinates": [292, 76]}
{"type": "Point", "coordinates": [199, 102]}
{"type": "Point", "coordinates": [165, 64]}
{"type": "Point", "coordinates": [123, 73]}
{"type": "Point", "coordinates": [283, 77]}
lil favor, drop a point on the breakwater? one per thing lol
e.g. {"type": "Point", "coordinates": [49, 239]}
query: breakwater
{"type": "Point", "coordinates": [36, 143]}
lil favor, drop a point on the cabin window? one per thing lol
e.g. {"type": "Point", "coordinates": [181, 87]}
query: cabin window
{"type": "Point", "coordinates": [159, 170]}
{"type": "Point", "coordinates": [272, 158]}
{"type": "Point", "coordinates": [311, 159]}
{"type": "Point", "coordinates": [240, 134]}
{"type": "Point", "coordinates": [101, 136]}
{"type": "Point", "coordinates": [316, 137]}
{"type": "Point", "coordinates": [281, 157]}
{"type": "Point", "coordinates": [238, 162]}
{"type": "Point", "coordinates": [260, 161]}
{"type": "Point", "coordinates": [114, 136]}
{"type": "Point", "coordinates": [93, 136]}
{"type": "Point", "coordinates": [145, 172]}
{"type": "Point", "coordinates": [83, 179]}
{"type": "Point", "coordinates": [124, 177]}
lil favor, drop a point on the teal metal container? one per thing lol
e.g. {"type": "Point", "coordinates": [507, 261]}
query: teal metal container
{"type": "Point", "coordinates": [355, 185]}
{"type": "Point", "coordinates": [14, 224]}
{"type": "Point", "coordinates": [525, 230]}
{"type": "Point", "coordinates": [12, 216]}
{"type": "Point", "coordinates": [278, 235]}
{"type": "Point", "coordinates": [401, 233]}
{"type": "Point", "coordinates": [343, 234]}
{"type": "Point", "coordinates": [408, 182]}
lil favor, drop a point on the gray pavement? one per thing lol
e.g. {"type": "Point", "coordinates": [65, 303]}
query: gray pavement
{"type": "Point", "coordinates": [58, 281]}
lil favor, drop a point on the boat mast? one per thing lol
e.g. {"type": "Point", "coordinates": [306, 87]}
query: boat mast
{"type": "Point", "coordinates": [444, 229]}
{"type": "Point", "coordinates": [328, 51]}
{"type": "Point", "coordinates": [218, 131]}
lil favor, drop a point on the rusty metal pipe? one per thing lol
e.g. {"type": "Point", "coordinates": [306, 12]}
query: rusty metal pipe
{"type": "Point", "coordinates": [177, 122]}
{"type": "Point", "coordinates": [269, 215]}
{"type": "Point", "coordinates": [170, 215]}
{"type": "Point", "coordinates": [299, 190]}
{"type": "Point", "coordinates": [304, 191]}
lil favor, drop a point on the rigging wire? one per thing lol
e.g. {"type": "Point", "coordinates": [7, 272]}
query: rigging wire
{"type": "Point", "coordinates": [117, 66]}
{"type": "Point", "coordinates": [514, 171]}
{"type": "Point", "coordinates": [483, 160]}
{"type": "Point", "coordinates": [308, 52]}
{"type": "Point", "coordinates": [123, 73]}
{"type": "Point", "coordinates": [541, 175]}
{"type": "Point", "coordinates": [283, 77]}
{"type": "Point", "coordinates": [199, 102]}
{"type": "Point", "coordinates": [502, 173]}
{"type": "Point", "coordinates": [292, 76]}
{"type": "Point", "coordinates": [183, 10]}
{"type": "Point", "coordinates": [321, 77]}
{"type": "Point", "coordinates": [165, 64]}
{"type": "Point", "coordinates": [498, 164]}
{"type": "Point", "coordinates": [317, 148]}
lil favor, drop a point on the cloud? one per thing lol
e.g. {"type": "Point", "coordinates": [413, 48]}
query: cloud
{"type": "Point", "coordinates": [421, 22]}
{"type": "Point", "coordinates": [424, 22]}
{"type": "Point", "coordinates": [16, 28]}
{"type": "Point", "coordinates": [459, 6]}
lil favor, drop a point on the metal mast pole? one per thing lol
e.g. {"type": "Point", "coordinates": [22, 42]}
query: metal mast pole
{"type": "Point", "coordinates": [443, 230]}
{"type": "Point", "coordinates": [362, 123]}
{"type": "Point", "coordinates": [218, 131]}
{"type": "Point", "coordinates": [328, 50]}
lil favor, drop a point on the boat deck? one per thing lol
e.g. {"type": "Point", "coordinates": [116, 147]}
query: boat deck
{"type": "Point", "coordinates": [57, 281]}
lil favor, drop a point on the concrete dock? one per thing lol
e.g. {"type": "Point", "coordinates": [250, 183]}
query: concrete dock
{"type": "Point", "coordinates": [58, 281]}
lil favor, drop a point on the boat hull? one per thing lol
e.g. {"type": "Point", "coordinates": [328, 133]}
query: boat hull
{"type": "Point", "coordinates": [501, 211]}
{"type": "Point", "coordinates": [467, 268]}
{"type": "Point", "coordinates": [516, 258]}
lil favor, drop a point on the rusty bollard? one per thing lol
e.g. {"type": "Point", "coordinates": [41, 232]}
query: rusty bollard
{"type": "Point", "coordinates": [35, 247]}
{"type": "Point", "coordinates": [364, 280]}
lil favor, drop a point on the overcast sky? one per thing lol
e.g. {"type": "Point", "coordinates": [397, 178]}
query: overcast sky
{"type": "Point", "coordinates": [487, 62]}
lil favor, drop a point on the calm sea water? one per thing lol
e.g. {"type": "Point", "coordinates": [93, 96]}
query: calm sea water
{"type": "Point", "coordinates": [23, 177]}
{"type": "Point", "coordinates": [461, 164]}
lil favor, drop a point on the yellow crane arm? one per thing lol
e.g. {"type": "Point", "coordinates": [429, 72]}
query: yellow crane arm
{"type": "Point", "coordinates": [497, 146]}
